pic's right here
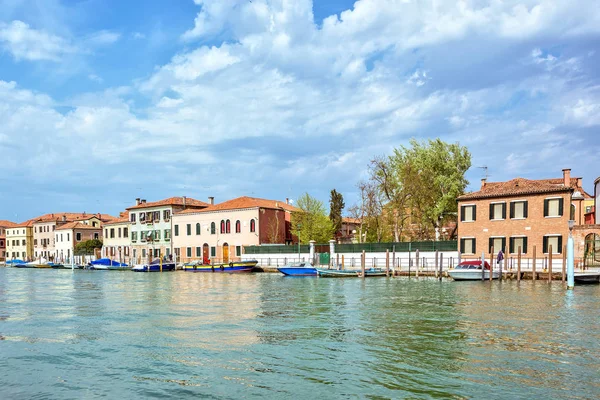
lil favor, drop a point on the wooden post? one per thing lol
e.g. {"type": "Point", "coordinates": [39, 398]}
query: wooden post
{"type": "Point", "coordinates": [491, 263]}
{"type": "Point", "coordinates": [519, 266]}
{"type": "Point", "coordinates": [482, 265]}
{"type": "Point", "coordinates": [337, 261]}
{"type": "Point", "coordinates": [441, 264]}
{"type": "Point", "coordinates": [363, 262]}
{"type": "Point", "coordinates": [160, 258]}
{"type": "Point", "coordinates": [533, 273]}
{"type": "Point", "coordinates": [342, 261]}
{"type": "Point", "coordinates": [564, 264]}
{"type": "Point", "coordinates": [436, 264]}
{"type": "Point", "coordinates": [417, 266]}
{"type": "Point", "coordinates": [550, 263]}
{"type": "Point", "coordinates": [394, 257]}
{"type": "Point", "coordinates": [387, 262]}
{"type": "Point", "coordinates": [409, 262]}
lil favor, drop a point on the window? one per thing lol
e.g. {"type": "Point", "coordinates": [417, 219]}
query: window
{"type": "Point", "coordinates": [132, 217]}
{"type": "Point", "coordinates": [78, 237]}
{"type": "Point", "coordinates": [166, 215]}
{"type": "Point", "coordinates": [238, 227]}
{"type": "Point", "coordinates": [228, 226]}
{"type": "Point", "coordinates": [125, 232]}
{"type": "Point", "coordinates": [213, 228]}
{"type": "Point", "coordinates": [572, 214]}
{"type": "Point", "coordinates": [134, 236]}
{"type": "Point", "coordinates": [23, 242]}
{"type": "Point", "coordinates": [468, 213]}
{"type": "Point", "coordinates": [167, 234]}
{"type": "Point", "coordinates": [497, 211]}
{"type": "Point", "coordinates": [156, 235]}
{"type": "Point", "coordinates": [516, 242]}
{"type": "Point", "coordinates": [177, 251]}
{"type": "Point", "coordinates": [188, 229]}
{"type": "Point", "coordinates": [61, 237]}
{"type": "Point", "coordinates": [143, 252]}
{"type": "Point", "coordinates": [119, 232]}
{"type": "Point", "coordinates": [156, 215]}
{"type": "Point", "coordinates": [213, 251]}
{"type": "Point", "coordinates": [518, 209]}
{"type": "Point", "coordinates": [198, 251]}
{"type": "Point", "coordinates": [35, 242]}
{"type": "Point", "coordinates": [555, 241]}
{"type": "Point", "coordinates": [156, 252]}
{"type": "Point", "coordinates": [96, 236]}
{"type": "Point", "coordinates": [198, 228]}
{"type": "Point", "coordinates": [188, 252]}
{"type": "Point", "coordinates": [176, 230]}
{"type": "Point", "coordinates": [238, 250]}
{"type": "Point", "coordinates": [68, 237]}
{"type": "Point", "coordinates": [252, 225]}
{"type": "Point", "coordinates": [142, 217]}
{"type": "Point", "coordinates": [467, 245]}
{"type": "Point", "coordinates": [112, 233]}
{"type": "Point", "coordinates": [106, 232]}
{"type": "Point", "coordinates": [553, 207]}
{"type": "Point", "coordinates": [222, 226]}
{"type": "Point", "coordinates": [497, 244]}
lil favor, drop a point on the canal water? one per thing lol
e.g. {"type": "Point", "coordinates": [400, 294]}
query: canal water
{"type": "Point", "coordinates": [92, 334]}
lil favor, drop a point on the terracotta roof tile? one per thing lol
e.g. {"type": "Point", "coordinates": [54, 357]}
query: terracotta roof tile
{"type": "Point", "coordinates": [58, 217]}
{"type": "Point", "coordinates": [244, 202]}
{"type": "Point", "coordinates": [77, 225]}
{"type": "Point", "coordinates": [120, 220]}
{"type": "Point", "coordinates": [349, 220]}
{"type": "Point", "coordinates": [7, 224]}
{"type": "Point", "coordinates": [517, 187]}
{"type": "Point", "coordinates": [172, 201]}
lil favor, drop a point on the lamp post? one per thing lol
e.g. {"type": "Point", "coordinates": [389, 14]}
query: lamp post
{"type": "Point", "coordinates": [570, 258]}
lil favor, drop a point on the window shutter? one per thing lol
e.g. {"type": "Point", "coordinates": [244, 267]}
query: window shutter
{"type": "Point", "coordinates": [524, 249]}
{"type": "Point", "coordinates": [490, 244]}
{"type": "Point", "coordinates": [462, 214]}
{"type": "Point", "coordinates": [546, 209]}
{"type": "Point", "coordinates": [524, 209]}
{"type": "Point", "coordinates": [511, 244]}
{"type": "Point", "coordinates": [560, 207]}
{"type": "Point", "coordinates": [545, 245]}
{"type": "Point", "coordinates": [503, 210]}
{"type": "Point", "coordinates": [474, 213]}
{"type": "Point", "coordinates": [462, 245]}
{"type": "Point", "coordinates": [560, 246]}
{"type": "Point", "coordinates": [503, 244]}
{"type": "Point", "coordinates": [474, 246]}
{"type": "Point", "coordinates": [512, 211]}
{"type": "Point", "coordinates": [491, 211]}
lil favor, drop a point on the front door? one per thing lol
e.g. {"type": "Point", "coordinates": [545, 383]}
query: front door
{"type": "Point", "coordinates": [225, 253]}
{"type": "Point", "coordinates": [205, 255]}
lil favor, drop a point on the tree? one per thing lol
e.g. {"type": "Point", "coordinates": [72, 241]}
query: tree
{"type": "Point", "coordinates": [87, 247]}
{"type": "Point", "coordinates": [336, 206]}
{"type": "Point", "coordinates": [311, 221]}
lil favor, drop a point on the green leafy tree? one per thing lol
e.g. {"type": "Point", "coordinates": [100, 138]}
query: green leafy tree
{"type": "Point", "coordinates": [87, 247]}
{"type": "Point", "coordinates": [336, 206]}
{"type": "Point", "coordinates": [311, 221]}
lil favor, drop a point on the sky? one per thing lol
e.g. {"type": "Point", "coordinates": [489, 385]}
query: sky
{"type": "Point", "coordinates": [104, 101]}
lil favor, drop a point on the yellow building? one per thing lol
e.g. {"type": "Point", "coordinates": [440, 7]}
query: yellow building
{"type": "Point", "coordinates": [19, 242]}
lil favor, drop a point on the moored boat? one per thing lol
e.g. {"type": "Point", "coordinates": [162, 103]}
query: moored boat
{"type": "Point", "coordinates": [155, 266]}
{"type": "Point", "coordinates": [231, 267]}
{"type": "Point", "coordinates": [471, 271]}
{"type": "Point", "coordinates": [587, 277]}
{"type": "Point", "coordinates": [298, 269]}
{"type": "Point", "coordinates": [41, 263]}
{"type": "Point", "coordinates": [350, 273]}
{"type": "Point", "coordinates": [12, 263]}
{"type": "Point", "coordinates": [107, 264]}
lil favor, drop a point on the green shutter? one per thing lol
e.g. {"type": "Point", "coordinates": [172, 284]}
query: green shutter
{"type": "Point", "coordinates": [560, 207]}
{"type": "Point", "coordinates": [545, 245]}
{"type": "Point", "coordinates": [462, 245]}
{"type": "Point", "coordinates": [525, 209]}
{"type": "Point", "coordinates": [503, 210]}
{"type": "Point", "coordinates": [546, 208]}
{"type": "Point", "coordinates": [560, 245]}
{"type": "Point", "coordinates": [511, 244]}
{"type": "Point", "coordinates": [512, 211]}
{"type": "Point", "coordinates": [474, 246]}
{"type": "Point", "coordinates": [524, 249]}
{"type": "Point", "coordinates": [503, 244]}
{"type": "Point", "coordinates": [490, 244]}
{"type": "Point", "coordinates": [462, 213]}
{"type": "Point", "coordinates": [491, 211]}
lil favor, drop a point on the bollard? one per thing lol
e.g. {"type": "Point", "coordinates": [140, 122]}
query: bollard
{"type": "Point", "coordinates": [363, 262]}
{"type": "Point", "coordinates": [387, 263]}
{"type": "Point", "coordinates": [441, 264]}
{"type": "Point", "coordinates": [436, 264]}
{"type": "Point", "coordinates": [342, 261]}
{"type": "Point", "coordinates": [417, 266]}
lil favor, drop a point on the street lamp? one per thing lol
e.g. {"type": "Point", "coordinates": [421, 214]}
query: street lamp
{"type": "Point", "coordinates": [570, 257]}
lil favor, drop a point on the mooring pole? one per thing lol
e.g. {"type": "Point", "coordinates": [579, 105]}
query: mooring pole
{"type": "Point", "coordinates": [519, 266]}
{"type": "Point", "coordinates": [387, 262]}
{"type": "Point", "coordinates": [570, 257]}
{"type": "Point", "coordinates": [363, 261]}
{"type": "Point", "coordinates": [550, 263]}
{"type": "Point", "coordinates": [441, 264]}
{"type": "Point", "coordinates": [533, 273]}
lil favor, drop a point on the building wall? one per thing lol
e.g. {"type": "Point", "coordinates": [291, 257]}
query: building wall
{"type": "Point", "coordinates": [117, 241]}
{"type": "Point", "coordinates": [142, 248]}
{"type": "Point", "coordinates": [43, 239]}
{"type": "Point", "coordinates": [67, 239]}
{"type": "Point", "coordinates": [597, 198]}
{"type": "Point", "coordinates": [19, 243]}
{"type": "Point", "coordinates": [534, 227]}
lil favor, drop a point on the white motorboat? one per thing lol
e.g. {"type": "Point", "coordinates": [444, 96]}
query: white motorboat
{"type": "Point", "coordinates": [471, 271]}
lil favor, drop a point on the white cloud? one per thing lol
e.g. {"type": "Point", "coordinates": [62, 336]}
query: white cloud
{"type": "Point", "coordinates": [102, 38]}
{"type": "Point", "coordinates": [95, 78]}
{"type": "Point", "coordinates": [138, 35]}
{"type": "Point", "coordinates": [26, 43]}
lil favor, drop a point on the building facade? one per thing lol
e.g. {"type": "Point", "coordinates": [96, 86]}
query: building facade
{"type": "Point", "coordinates": [219, 232]}
{"type": "Point", "coordinates": [67, 236]}
{"type": "Point", "coordinates": [531, 215]}
{"type": "Point", "coordinates": [117, 240]}
{"type": "Point", "coordinates": [19, 242]}
{"type": "Point", "coordinates": [151, 226]}
{"type": "Point", "coordinates": [4, 225]}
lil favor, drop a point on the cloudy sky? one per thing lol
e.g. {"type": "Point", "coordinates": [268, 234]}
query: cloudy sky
{"type": "Point", "coordinates": [103, 101]}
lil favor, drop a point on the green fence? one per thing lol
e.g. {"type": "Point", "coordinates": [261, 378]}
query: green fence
{"type": "Point", "coordinates": [357, 247]}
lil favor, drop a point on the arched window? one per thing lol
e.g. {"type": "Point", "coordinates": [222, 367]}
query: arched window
{"type": "Point", "coordinates": [228, 226]}
{"type": "Point", "coordinates": [213, 228]}
{"type": "Point", "coordinates": [198, 228]}
{"type": "Point", "coordinates": [252, 225]}
{"type": "Point", "coordinates": [222, 226]}
{"type": "Point", "coordinates": [238, 226]}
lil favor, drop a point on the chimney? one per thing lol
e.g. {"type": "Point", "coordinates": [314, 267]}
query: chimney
{"type": "Point", "coordinates": [137, 201]}
{"type": "Point", "coordinates": [64, 218]}
{"type": "Point", "coordinates": [211, 200]}
{"type": "Point", "coordinates": [567, 177]}
{"type": "Point", "coordinates": [483, 182]}
{"type": "Point", "coordinates": [287, 200]}
{"type": "Point", "coordinates": [143, 201]}
{"type": "Point", "coordinates": [184, 201]}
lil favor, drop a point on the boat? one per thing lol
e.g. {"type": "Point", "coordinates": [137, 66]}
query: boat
{"type": "Point", "coordinates": [56, 265]}
{"type": "Point", "coordinates": [231, 267]}
{"type": "Point", "coordinates": [12, 263]}
{"type": "Point", "coordinates": [298, 269]}
{"type": "Point", "coordinates": [587, 277]}
{"type": "Point", "coordinates": [155, 266]}
{"type": "Point", "coordinates": [41, 263]}
{"type": "Point", "coordinates": [107, 264]}
{"type": "Point", "coordinates": [350, 273]}
{"type": "Point", "coordinates": [471, 271]}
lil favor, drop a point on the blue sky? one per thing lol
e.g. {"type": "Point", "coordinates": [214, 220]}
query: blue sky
{"type": "Point", "coordinates": [103, 101]}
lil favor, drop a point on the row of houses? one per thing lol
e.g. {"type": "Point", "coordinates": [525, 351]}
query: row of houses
{"type": "Point", "coordinates": [531, 217]}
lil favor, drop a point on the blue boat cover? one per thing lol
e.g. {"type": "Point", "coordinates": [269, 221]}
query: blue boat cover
{"type": "Point", "coordinates": [108, 262]}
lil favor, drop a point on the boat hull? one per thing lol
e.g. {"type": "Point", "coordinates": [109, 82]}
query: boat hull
{"type": "Point", "coordinates": [235, 267]}
{"type": "Point", "coordinates": [298, 271]}
{"type": "Point", "coordinates": [335, 273]}
{"type": "Point", "coordinates": [154, 267]}
{"type": "Point", "coordinates": [471, 275]}
{"type": "Point", "coordinates": [32, 266]}
{"type": "Point", "coordinates": [587, 277]}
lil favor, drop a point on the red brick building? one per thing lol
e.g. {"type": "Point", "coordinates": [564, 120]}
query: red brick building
{"type": "Point", "coordinates": [520, 213]}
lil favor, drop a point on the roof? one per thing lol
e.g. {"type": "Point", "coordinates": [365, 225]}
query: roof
{"type": "Point", "coordinates": [58, 217]}
{"type": "Point", "coordinates": [172, 201]}
{"type": "Point", "coordinates": [349, 220]}
{"type": "Point", "coordinates": [243, 203]}
{"type": "Point", "coordinates": [77, 225]}
{"type": "Point", "coordinates": [519, 187]}
{"type": "Point", "coordinates": [7, 224]}
{"type": "Point", "coordinates": [120, 220]}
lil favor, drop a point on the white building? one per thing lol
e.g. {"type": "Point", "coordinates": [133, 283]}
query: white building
{"type": "Point", "coordinates": [117, 240]}
{"type": "Point", "coordinates": [69, 235]}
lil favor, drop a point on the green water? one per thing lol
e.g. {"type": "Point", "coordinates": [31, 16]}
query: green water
{"type": "Point", "coordinates": [92, 334]}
